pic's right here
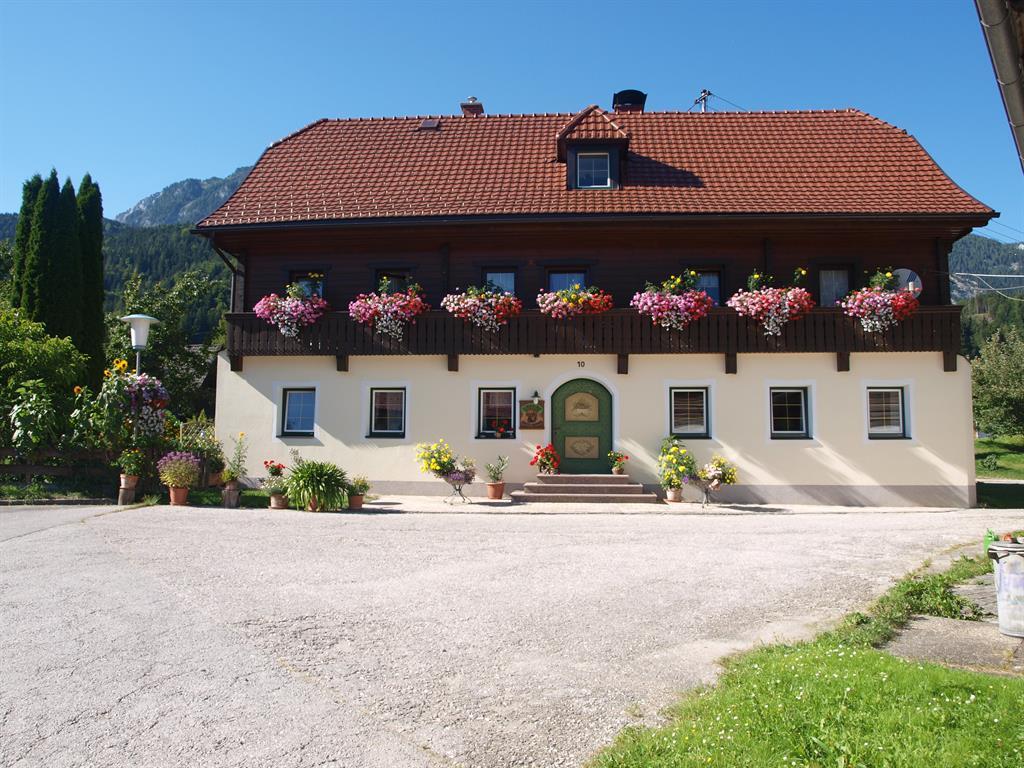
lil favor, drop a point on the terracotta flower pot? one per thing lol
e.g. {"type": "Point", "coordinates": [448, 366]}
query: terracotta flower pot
{"type": "Point", "coordinates": [618, 471]}
{"type": "Point", "coordinates": [355, 501]}
{"type": "Point", "coordinates": [179, 496]}
{"type": "Point", "coordinates": [314, 505]}
{"type": "Point", "coordinates": [214, 479]}
{"type": "Point", "coordinates": [278, 501]}
{"type": "Point", "coordinates": [495, 490]}
{"type": "Point", "coordinates": [129, 481]}
{"type": "Point", "coordinates": [674, 494]}
{"type": "Point", "coordinates": [232, 485]}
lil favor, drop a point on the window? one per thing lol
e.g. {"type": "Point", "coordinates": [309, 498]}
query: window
{"type": "Point", "coordinates": [497, 410]}
{"type": "Point", "coordinates": [689, 412]}
{"type": "Point", "coordinates": [885, 412]}
{"type": "Point", "coordinates": [298, 412]}
{"type": "Point", "coordinates": [833, 285]}
{"type": "Point", "coordinates": [502, 279]}
{"type": "Point", "coordinates": [711, 283]}
{"type": "Point", "coordinates": [789, 413]}
{"type": "Point", "coordinates": [310, 282]}
{"type": "Point", "coordinates": [387, 413]}
{"type": "Point", "coordinates": [592, 170]}
{"type": "Point", "coordinates": [399, 280]}
{"type": "Point", "coordinates": [561, 280]}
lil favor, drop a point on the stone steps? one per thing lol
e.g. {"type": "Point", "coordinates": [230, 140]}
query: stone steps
{"type": "Point", "coordinates": [585, 489]}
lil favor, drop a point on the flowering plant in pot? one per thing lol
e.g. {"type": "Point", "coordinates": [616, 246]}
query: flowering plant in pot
{"type": "Point", "coordinates": [318, 486]}
{"type": "Point", "coordinates": [713, 475]}
{"type": "Point", "coordinates": [675, 303]}
{"type": "Point", "coordinates": [274, 484]}
{"type": "Point", "coordinates": [234, 471]}
{"type": "Point", "coordinates": [618, 459]}
{"type": "Point", "coordinates": [131, 462]}
{"type": "Point", "coordinates": [388, 311]}
{"type": "Point", "coordinates": [488, 307]}
{"type": "Point", "coordinates": [880, 306]}
{"type": "Point", "coordinates": [179, 471]}
{"type": "Point", "coordinates": [291, 312]}
{"type": "Point", "coordinates": [357, 491]}
{"type": "Point", "coordinates": [772, 307]}
{"type": "Point", "coordinates": [675, 467]}
{"type": "Point", "coordinates": [439, 460]}
{"type": "Point", "coordinates": [573, 301]}
{"type": "Point", "coordinates": [496, 477]}
{"type": "Point", "coordinates": [546, 459]}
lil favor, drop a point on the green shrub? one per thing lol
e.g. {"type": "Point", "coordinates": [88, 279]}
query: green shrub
{"type": "Point", "coordinates": [359, 485]}
{"type": "Point", "coordinates": [179, 469]}
{"type": "Point", "coordinates": [318, 486]}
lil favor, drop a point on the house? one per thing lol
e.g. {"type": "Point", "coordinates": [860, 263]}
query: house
{"type": "Point", "coordinates": [826, 412]}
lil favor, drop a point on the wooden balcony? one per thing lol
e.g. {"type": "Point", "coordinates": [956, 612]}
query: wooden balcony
{"type": "Point", "coordinates": [619, 332]}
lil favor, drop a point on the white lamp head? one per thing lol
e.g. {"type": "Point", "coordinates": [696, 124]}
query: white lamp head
{"type": "Point", "coordinates": [139, 325]}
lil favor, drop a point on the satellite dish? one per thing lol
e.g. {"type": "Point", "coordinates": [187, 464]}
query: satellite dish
{"type": "Point", "coordinates": [908, 280]}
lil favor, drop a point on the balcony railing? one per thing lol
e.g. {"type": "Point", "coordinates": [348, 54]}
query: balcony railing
{"type": "Point", "coordinates": [619, 332]}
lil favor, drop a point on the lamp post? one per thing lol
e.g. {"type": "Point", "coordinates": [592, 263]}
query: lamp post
{"type": "Point", "coordinates": [139, 325]}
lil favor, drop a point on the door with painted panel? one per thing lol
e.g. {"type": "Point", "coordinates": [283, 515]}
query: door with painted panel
{"type": "Point", "coordinates": [581, 426]}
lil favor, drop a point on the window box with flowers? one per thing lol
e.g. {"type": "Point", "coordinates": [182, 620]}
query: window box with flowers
{"type": "Point", "coordinates": [880, 305]}
{"type": "Point", "coordinates": [488, 307]}
{"type": "Point", "coordinates": [675, 303]}
{"type": "Point", "coordinates": [574, 301]}
{"type": "Point", "coordinates": [772, 308]}
{"type": "Point", "coordinates": [387, 311]}
{"type": "Point", "coordinates": [292, 312]}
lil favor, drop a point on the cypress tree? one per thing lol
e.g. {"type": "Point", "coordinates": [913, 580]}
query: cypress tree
{"type": "Point", "coordinates": [62, 309]}
{"type": "Point", "coordinates": [90, 237]}
{"type": "Point", "coordinates": [39, 254]}
{"type": "Point", "coordinates": [22, 233]}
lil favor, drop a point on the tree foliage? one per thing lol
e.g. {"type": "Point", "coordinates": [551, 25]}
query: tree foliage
{"type": "Point", "coordinates": [22, 235]}
{"type": "Point", "coordinates": [986, 314]}
{"type": "Point", "coordinates": [61, 312]}
{"type": "Point", "coordinates": [998, 377]}
{"type": "Point", "coordinates": [39, 254]}
{"type": "Point", "coordinates": [90, 237]}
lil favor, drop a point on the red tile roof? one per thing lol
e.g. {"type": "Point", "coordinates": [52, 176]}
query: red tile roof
{"type": "Point", "coordinates": [828, 162]}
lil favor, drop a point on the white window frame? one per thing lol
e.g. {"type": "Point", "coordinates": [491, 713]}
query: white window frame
{"type": "Point", "coordinates": [608, 160]}
{"type": "Point", "coordinates": [704, 434]}
{"type": "Point", "coordinates": [904, 428]}
{"type": "Point", "coordinates": [806, 433]}
{"type": "Point", "coordinates": [374, 433]}
{"type": "Point", "coordinates": [487, 432]}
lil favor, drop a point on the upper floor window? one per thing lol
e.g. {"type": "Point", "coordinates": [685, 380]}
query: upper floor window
{"type": "Point", "coordinates": [593, 170]}
{"type": "Point", "coordinates": [399, 280]}
{"type": "Point", "coordinates": [560, 280]}
{"type": "Point", "coordinates": [710, 283]}
{"type": "Point", "coordinates": [298, 412]}
{"type": "Point", "coordinates": [833, 285]}
{"type": "Point", "coordinates": [886, 412]}
{"type": "Point", "coordinates": [502, 279]}
{"type": "Point", "coordinates": [789, 413]}
{"type": "Point", "coordinates": [310, 282]}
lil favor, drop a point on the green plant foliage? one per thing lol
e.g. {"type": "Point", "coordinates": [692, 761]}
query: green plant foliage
{"type": "Point", "coordinates": [359, 486]}
{"type": "Point", "coordinates": [319, 486]}
{"type": "Point", "coordinates": [234, 467]}
{"type": "Point", "coordinates": [90, 238]}
{"type": "Point", "coordinates": [496, 471]}
{"type": "Point", "coordinates": [675, 463]}
{"type": "Point", "coordinates": [39, 253]}
{"type": "Point", "coordinates": [986, 314]}
{"type": "Point", "coordinates": [1000, 457]}
{"type": "Point", "coordinates": [34, 420]}
{"type": "Point", "coordinates": [61, 312]}
{"type": "Point", "coordinates": [22, 236]}
{"type": "Point", "coordinates": [997, 376]}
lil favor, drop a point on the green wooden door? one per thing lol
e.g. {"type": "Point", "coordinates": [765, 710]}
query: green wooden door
{"type": "Point", "coordinates": [581, 426]}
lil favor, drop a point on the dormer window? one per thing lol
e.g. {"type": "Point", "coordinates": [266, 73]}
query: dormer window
{"type": "Point", "coordinates": [593, 170]}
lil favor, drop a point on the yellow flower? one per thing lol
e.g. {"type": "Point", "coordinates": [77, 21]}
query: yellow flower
{"type": "Point", "coordinates": [888, 274]}
{"type": "Point", "coordinates": [241, 435]}
{"type": "Point", "coordinates": [106, 373]}
{"type": "Point", "coordinates": [693, 273]}
{"type": "Point", "coordinates": [756, 275]}
{"type": "Point", "coordinates": [77, 390]}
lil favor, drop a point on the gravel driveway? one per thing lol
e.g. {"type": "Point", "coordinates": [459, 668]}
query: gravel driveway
{"type": "Point", "coordinates": [174, 637]}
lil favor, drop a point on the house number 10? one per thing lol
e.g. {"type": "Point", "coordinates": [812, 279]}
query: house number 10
{"type": "Point", "coordinates": [581, 363]}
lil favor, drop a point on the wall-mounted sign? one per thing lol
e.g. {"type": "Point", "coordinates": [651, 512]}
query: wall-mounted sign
{"type": "Point", "coordinates": [531, 414]}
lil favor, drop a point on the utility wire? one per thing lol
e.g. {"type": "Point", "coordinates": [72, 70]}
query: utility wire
{"type": "Point", "coordinates": [741, 109]}
{"type": "Point", "coordinates": [1006, 226]}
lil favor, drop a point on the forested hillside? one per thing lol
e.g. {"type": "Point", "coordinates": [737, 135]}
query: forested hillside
{"type": "Point", "coordinates": [987, 256]}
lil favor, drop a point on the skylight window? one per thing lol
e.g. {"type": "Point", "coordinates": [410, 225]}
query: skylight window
{"type": "Point", "coordinates": [593, 170]}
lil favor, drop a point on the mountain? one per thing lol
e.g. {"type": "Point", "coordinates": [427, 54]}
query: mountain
{"type": "Point", "coordinates": [183, 202]}
{"type": "Point", "coordinates": [986, 256]}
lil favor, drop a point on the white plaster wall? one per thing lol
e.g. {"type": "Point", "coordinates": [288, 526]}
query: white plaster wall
{"type": "Point", "coordinates": [440, 403]}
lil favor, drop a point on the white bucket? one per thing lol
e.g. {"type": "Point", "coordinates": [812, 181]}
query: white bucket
{"type": "Point", "coordinates": [1008, 558]}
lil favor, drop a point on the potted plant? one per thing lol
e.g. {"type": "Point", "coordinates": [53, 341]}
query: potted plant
{"type": "Point", "coordinates": [179, 471]}
{"type": "Point", "coordinates": [546, 459]}
{"type": "Point", "coordinates": [712, 476]}
{"type": "Point", "coordinates": [488, 307]}
{"type": "Point", "coordinates": [386, 311]}
{"type": "Point", "coordinates": [234, 471]}
{"type": "Point", "coordinates": [291, 312]}
{"type": "Point", "coordinates": [675, 468]}
{"type": "Point", "coordinates": [618, 459]}
{"type": "Point", "coordinates": [495, 474]}
{"type": "Point", "coordinates": [318, 486]}
{"type": "Point", "coordinates": [880, 306]}
{"type": "Point", "coordinates": [131, 461]}
{"type": "Point", "coordinates": [357, 491]}
{"type": "Point", "coordinates": [675, 303]}
{"type": "Point", "coordinates": [275, 485]}
{"type": "Point", "coordinates": [439, 460]}
{"type": "Point", "coordinates": [772, 307]}
{"type": "Point", "coordinates": [570, 302]}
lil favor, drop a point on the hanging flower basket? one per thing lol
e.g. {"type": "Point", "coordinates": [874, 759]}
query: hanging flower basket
{"type": "Point", "coordinates": [388, 312]}
{"type": "Point", "coordinates": [772, 307]}
{"type": "Point", "coordinates": [880, 306]}
{"type": "Point", "coordinates": [438, 460]}
{"type": "Point", "coordinates": [484, 307]}
{"type": "Point", "coordinates": [291, 312]}
{"type": "Point", "coordinates": [570, 302]}
{"type": "Point", "coordinates": [675, 303]}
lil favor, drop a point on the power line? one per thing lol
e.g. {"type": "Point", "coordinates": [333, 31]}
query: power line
{"type": "Point", "coordinates": [980, 274]}
{"type": "Point", "coordinates": [1006, 226]}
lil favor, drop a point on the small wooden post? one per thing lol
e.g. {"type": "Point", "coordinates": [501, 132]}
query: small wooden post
{"type": "Point", "coordinates": [236, 362]}
{"type": "Point", "coordinates": [842, 361]}
{"type": "Point", "coordinates": [453, 362]}
{"type": "Point", "coordinates": [623, 366]}
{"type": "Point", "coordinates": [730, 362]}
{"type": "Point", "coordinates": [342, 362]}
{"type": "Point", "coordinates": [948, 360]}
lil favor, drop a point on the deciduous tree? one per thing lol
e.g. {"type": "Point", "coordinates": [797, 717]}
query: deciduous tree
{"type": "Point", "coordinates": [997, 375]}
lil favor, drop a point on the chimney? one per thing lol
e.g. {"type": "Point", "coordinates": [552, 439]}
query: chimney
{"type": "Point", "coordinates": [629, 101]}
{"type": "Point", "coordinates": [472, 107]}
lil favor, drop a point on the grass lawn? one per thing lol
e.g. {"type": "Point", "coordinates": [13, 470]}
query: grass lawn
{"type": "Point", "coordinates": [837, 702]}
{"type": "Point", "coordinates": [40, 488]}
{"type": "Point", "coordinates": [210, 497]}
{"type": "Point", "coordinates": [1008, 453]}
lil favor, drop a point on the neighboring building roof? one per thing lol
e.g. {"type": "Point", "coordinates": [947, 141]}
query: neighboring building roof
{"type": "Point", "coordinates": [1002, 22]}
{"type": "Point", "coordinates": [820, 162]}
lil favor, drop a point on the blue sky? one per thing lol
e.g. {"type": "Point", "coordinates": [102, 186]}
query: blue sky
{"type": "Point", "coordinates": [145, 94]}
